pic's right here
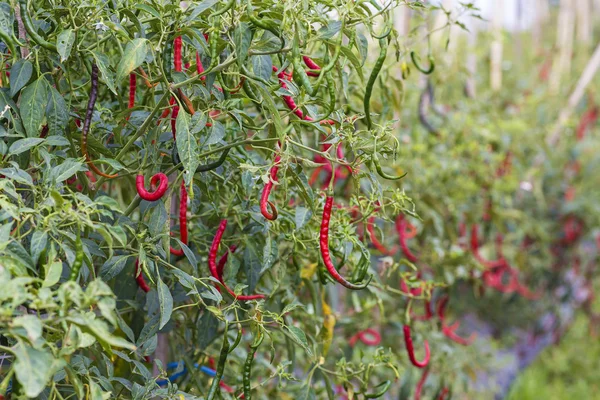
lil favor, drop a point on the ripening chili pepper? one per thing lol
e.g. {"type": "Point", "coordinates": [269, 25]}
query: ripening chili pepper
{"type": "Point", "coordinates": [214, 386]}
{"type": "Point", "coordinates": [378, 245]}
{"type": "Point", "coordinates": [411, 350]}
{"type": "Point", "coordinates": [264, 198]}
{"type": "Point", "coordinates": [139, 277]}
{"type": "Point", "coordinates": [324, 245]}
{"type": "Point", "coordinates": [182, 220]}
{"type": "Point", "coordinates": [380, 390]}
{"type": "Point", "coordinates": [247, 376]}
{"type": "Point", "coordinates": [88, 120]}
{"type": "Point", "coordinates": [78, 263]}
{"type": "Point", "coordinates": [160, 190]}
{"type": "Point", "coordinates": [401, 229]}
{"type": "Point", "coordinates": [416, 63]}
{"type": "Point", "coordinates": [383, 45]}
{"type": "Point", "coordinates": [44, 131]}
{"type": "Point", "coordinates": [214, 270]}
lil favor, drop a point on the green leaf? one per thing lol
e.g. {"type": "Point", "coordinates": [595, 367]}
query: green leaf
{"type": "Point", "coordinates": [187, 147]}
{"type": "Point", "coordinates": [64, 43]}
{"type": "Point", "coordinates": [17, 175]}
{"type": "Point", "coordinates": [355, 61]}
{"type": "Point", "coordinates": [64, 171]}
{"type": "Point", "coordinates": [6, 17]}
{"type": "Point", "coordinates": [165, 302]}
{"type": "Point", "coordinates": [330, 30]}
{"type": "Point", "coordinates": [242, 38]}
{"type": "Point", "coordinates": [39, 240]}
{"type": "Point", "coordinates": [113, 267]}
{"type": "Point", "coordinates": [262, 65]}
{"type": "Point", "coordinates": [252, 265]}
{"type": "Point", "coordinates": [148, 9]}
{"type": "Point", "coordinates": [200, 8]}
{"type": "Point", "coordinates": [23, 145]}
{"type": "Point", "coordinates": [303, 215]}
{"type": "Point", "coordinates": [32, 326]}
{"type": "Point", "coordinates": [134, 55]}
{"type": "Point", "coordinates": [299, 337]}
{"type": "Point", "coordinates": [53, 273]}
{"type": "Point", "coordinates": [57, 113]}
{"type": "Point", "coordinates": [103, 63]}
{"type": "Point", "coordinates": [33, 106]}
{"type": "Point", "coordinates": [34, 368]}
{"type": "Point", "coordinates": [20, 73]}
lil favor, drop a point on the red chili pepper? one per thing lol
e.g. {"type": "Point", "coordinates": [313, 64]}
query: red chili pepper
{"type": "Point", "coordinates": [182, 220]}
{"type": "Point", "coordinates": [449, 330]}
{"type": "Point", "coordinates": [223, 261]}
{"type": "Point", "coordinates": [378, 245]}
{"type": "Point", "coordinates": [199, 67]}
{"type": "Point", "coordinates": [420, 384]}
{"type": "Point", "coordinates": [310, 63]}
{"type": "Point", "coordinates": [264, 198]}
{"type": "Point", "coordinates": [132, 90]}
{"type": "Point", "coordinates": [401, 229]}
{"type": "Point", "coordinates": [177, 43]}
{"type": "Point", "coordinates": [475, 250]}
{"type": "Point", "coordinates": [212, 264]}
{"type": "Point", "coordinates": [139, 277]}
{"type": "Point", "coordinates": [411, 350]}
{"type": "Point", "coordinates": [428, 314]}
{"type": "Point", "coordinates": [166, 111]}
{"type": "Point", "coordinates": [174, 120]}
{"type": "Point", "coordinates": [588, 118]}
{"type": "Point", "coordinates": [160, 190]}
{"type": "Point", "coordinates": [324, 244]}
{"type": "Point", "coordinates": [369, 336]}
{"type": "Point", "coordinates": [44, 131]}
{"type": "Point", "coordinates": [445, 391]}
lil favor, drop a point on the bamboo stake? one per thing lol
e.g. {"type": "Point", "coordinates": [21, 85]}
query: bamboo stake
{"type": "Point", "coordinates": [584, 32]}
{"type": "Point", "coordinates": [496, 47]}
{"type": "Point", "coordinates": [586, 77]}
{"type": "Point", "coordinates": [564, 42]}
{"type": "Point", "coordinates": [471, 84]}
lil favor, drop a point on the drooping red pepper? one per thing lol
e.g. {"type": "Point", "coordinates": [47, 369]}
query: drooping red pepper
{"type": "Point", "coordinates": [411, 350]}
{"type": "Point", "coordinates": [182, 220]}
{"type": "Point", "coordinates": [174, 115]}
{"type": "Point", "coordinates": [132, 90]}
{"type": "Point", "coordinates": [421, 383]}
{"type": "Point", "coordinates": [378, 245]}
{"type": "Point", "coordinates": [401, 230]}
{"type": "Point", "coordinates": [445, 391]}
{"type": "Point", "coordinates": [139, 277]}
{"type": "Point", "coordinates": [450, 330]}
{"type": "Point", "coordinates": [214, 269]}
{"type": "Point", "coordinates": [324, 245]}
{"type": "Point", "coordinates": [475, 250]}
{"type": "Point", "coordinates": [310, 63]}
{"type": "Point", "coordinates": [177, 44]}
{"type": "Point", "coordinates": [163, 183]}
{"type": "Point", "coordinates": [223, 261]}
{"type": "Point", "coordinates": [264, 198]}
{"type": "Point", "coordinates": [369, 337]}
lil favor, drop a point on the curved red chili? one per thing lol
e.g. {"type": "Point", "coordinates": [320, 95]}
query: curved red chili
{"type": "Point", "coordinates": [214, 270]}
{"type": "Point", "coordinates": [182, 220]}
{"type": "Point", "coordinates": [174, 115]}
{"type": "Point", "coordinates": [160, 190]}
{"type": "Point", "coordinates": [369, 336]}
{"type": "Point", "coordinates": [475, 250]}
{"type": "Point", "coordinates": [378, 245]}
{"type": "Point", "coordinates": [199, 66]}
{"type": "Point", "coordinates": [223, 261]}
{"type": "Point", "coordinates": [264, 198]}
{"type": "Point", "coordinates": [139, 277]}
{"type": "Point", "coordinates": [401, 229]}
{"type": "Point", "coordinates": [420, 384]}
{"type": "Point", "coordinates": [324, 244]}
{"type": "Point", "coordinates": [411, 350]}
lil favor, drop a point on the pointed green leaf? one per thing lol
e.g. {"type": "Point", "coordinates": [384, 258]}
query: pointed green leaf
{"type": "Point", "coordinates": [57, 113]}
{"type": "Point", "coordinates": [33, 106]}
{"type": "Point", "coordinates": [64, 43]}
{"type": "Point", "coordinates": [20, 73]}
{"type": "Point", "coordinates": [187, 147]}
{"type": "Point", "coordinates": [133, 56]}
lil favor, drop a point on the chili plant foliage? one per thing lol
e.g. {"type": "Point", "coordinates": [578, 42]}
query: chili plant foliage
{"type": "Point", "coordinates": [199, 183]}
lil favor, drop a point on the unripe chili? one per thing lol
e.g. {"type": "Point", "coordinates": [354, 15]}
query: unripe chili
{"type": "Point", "coordinates": [78, 263]}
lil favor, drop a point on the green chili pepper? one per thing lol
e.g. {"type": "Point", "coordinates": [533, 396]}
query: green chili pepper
{"type": "Point", "coordinates": [265, 24]}
{"type": "Point", "coordinates": [417, 66]}
{"type": "Point", "coordinates": [201, 168]}
{"type": "Point", "coordinates": [223, 10]}
{"type": "Point", "coordinates": [9, 43]}
{"type": "Point", "coordinates": [238, 339]}
{"type": "Point", "coordinates": [300, 76]}
{"type": "Point", "coordinates": [381, 389]}
{"type": "Point", "coordinates": [382, 173]}
{"type": "Point", "coordinates": [361, 269]}
{"type": "Point", "coordinates": [332, 96]}
{"type": "Point", "coordinates": [78, 263]}
{"type": "Point", "coordinates": [248, 365]}
{"type": "Point", "coordinates": [383, 44]}
{"type": "Point", "coordinates": [31, 29]}
{"type": "Point", "coordinates": [328, 388]}
{"type": "Point", "coordinates": [331, 64]}
{"type": "Point", "coordinates": [250, 92]}
{"type": "Point", "coordinates": [168, 58]}
{"type": "Point", "coordinates": [214, 386]}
